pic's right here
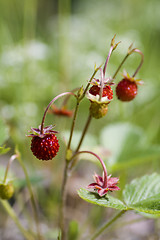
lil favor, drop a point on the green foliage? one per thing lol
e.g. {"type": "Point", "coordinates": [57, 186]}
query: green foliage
{"type": "Point", "coordinates": [4, 133]}
{"type": "Point", "coordinates": [128, 146]}
{"type": "Point", "coordinates": [4, 150]}
{"type": "Point", "coordinates": [143, 194]}
{"type": "Point", "coordinates": [36, 65]}
{"type": "Point", "coordinates": [106, 201]}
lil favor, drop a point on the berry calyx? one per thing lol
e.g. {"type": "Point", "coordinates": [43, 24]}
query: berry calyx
{"type": "Point", "coordinates": [107, 91]}
{"type": "Point", "coordinates": [126, 90]}
{"type": "Point", "coordinates": [6, 191]}
{"type": "Point", "coordinates": [44, 145]}
{"type": "Point", "coordinates": [45, 148]}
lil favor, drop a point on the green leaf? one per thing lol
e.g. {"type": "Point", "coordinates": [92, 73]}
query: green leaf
{"type": "Point", "coordinates": [127, 145]}
{"type": "Point", "coordinates": [4, 150]}
{"type": "Point", "coordinates": [4, 132]}
{"type": "Point", "coordinates": [143, 194]}
{"type": "Point", "coordinates": [106, 201]}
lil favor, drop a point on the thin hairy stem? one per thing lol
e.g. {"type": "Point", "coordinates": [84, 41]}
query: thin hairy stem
{"type": "Point", "coordinates": [53, 100]}
{"type": "Point", "coordinates": [68, 97]}
{"type": "Point", "coordinates": [12, 214]}
{"type": "Point", "coordinates": [33, 202]}
{"type": "Point", "coordinates": [101, 161]}
{"type": "Point", "coordinates": [141, 62]}
{"type": "Point", "coordinates": [121, 64]}
{"type": "Point", "coordinates": [84, 132]}
{"type": "Point", "coordinates": [90, 80]}
{"type": "Point", "coordinates": [73, 124]}
{"type": "Point", "coordinates": [13, 157]}
{"type": "Point", "coordinates": [74, 160]}
{"type": "Point", "coordinates": [62, 205]}
{"type": "Point", "coordinates": [107, 60]}
{"type": "Point", "coordinates": [97, 234]}
{"type": "Point", "coordinates": [130, 51]}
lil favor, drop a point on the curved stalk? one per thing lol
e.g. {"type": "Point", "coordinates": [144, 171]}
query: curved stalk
{"type": "Point", "coordinates": [107, 60]}
{"type": "Point", "coordinates": [90, 80]}
{"type": "Point", "coordinates": [101, 161]}
{"type": "Point", "coordinates": [141, 62]}
{"type": "Point", "coordinates": [67, 97]}
{"type": "Point", "coordinates": [62, 204]}
{"type": "Point", "coordinates": [13, 157]}
{"type": "Point", "coordinates": [73, 163]}
{"type": "Point", "coordinates": [53, 100]}
{"type": "Point", "coordinates": [121, 64]}
{"type": "Point", "coordinates": [33, 202]}
{"type": "Point", "coordinates": [12, 214]}
{"type": "Point", "coordinates": [73, 124]}
{"type": "Point", "coordinates": [130, 51]}
{"type": "Point", "coordinates": [84, 132]}
{"type": "Point", "coordinates": [107, 224]}
{"type": "Point", "coordinates": [103, 72]}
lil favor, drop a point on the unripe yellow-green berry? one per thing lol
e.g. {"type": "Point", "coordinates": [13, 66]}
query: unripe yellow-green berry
{"type": "Point", "coordinates": [6, 191]}
{"type": "Point", "coordinates": [98, 110]}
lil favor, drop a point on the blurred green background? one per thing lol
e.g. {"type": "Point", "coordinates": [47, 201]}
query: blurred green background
{"type": "Point", "coordinates": [48, 47]}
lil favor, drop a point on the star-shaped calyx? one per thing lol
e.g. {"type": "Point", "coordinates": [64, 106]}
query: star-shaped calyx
{"type": "Point", "coordinates": [103, 185]}
{"type": "Point", "coordinates": [37, 131]}
{"type": "Point", "coordinates": [44, 144]}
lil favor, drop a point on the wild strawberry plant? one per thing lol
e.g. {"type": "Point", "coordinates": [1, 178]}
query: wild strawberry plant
{"type": "Point", "coordinates": [141, 195]}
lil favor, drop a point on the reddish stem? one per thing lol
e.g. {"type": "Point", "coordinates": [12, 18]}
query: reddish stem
{"type": "Point", "coordinates": [105, 184]}
{"type": "Point", "coordinates": [107, 60]}
{"type": "Point", "coordinates": [142, 59]}
{"type": "Point", "coordinates": [13, 157]}
{"type": "Point", "coordinates": [53, 100]}
{"type": "Point", "coordinates": [103, 72]}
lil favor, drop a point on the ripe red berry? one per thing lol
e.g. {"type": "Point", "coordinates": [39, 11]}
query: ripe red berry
{"type": "Point", "coordinates": [45, 148]}
{"type": "Point", "coordinates": [126, 90]}
{"type": "Point", "coordinates": [107, 91]}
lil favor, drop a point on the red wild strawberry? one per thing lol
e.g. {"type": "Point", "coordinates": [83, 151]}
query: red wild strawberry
{"type": "Point", "coordinates": [107, 91]}
{"type": "Point", "coordinates": [44, 145]}
{"type": "Point", "coordinates": [45, 148]}
{"type": "Point", "coordinates": [126, 90]}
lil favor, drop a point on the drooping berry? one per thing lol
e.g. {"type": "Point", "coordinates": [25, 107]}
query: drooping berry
{"type": "Point", "coordinates": [44, 145]}
{"type": "Point", "coordinates": [45, 148]}
{"type": "Point", "coordinates": [6, 191]}
{"type": "Point", "coordinates": [107, 91]}
{"type": "Point", "coordinates": [126, 90]}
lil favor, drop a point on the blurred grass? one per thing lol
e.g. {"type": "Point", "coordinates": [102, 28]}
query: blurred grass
{"type": "Point", "coordinates": [47, 47]}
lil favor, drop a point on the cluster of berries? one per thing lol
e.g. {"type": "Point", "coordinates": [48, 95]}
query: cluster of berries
{"type": "Point", "coordinates": [44, 144]}
{"type": "Point", "coordinates": [126, 90]}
